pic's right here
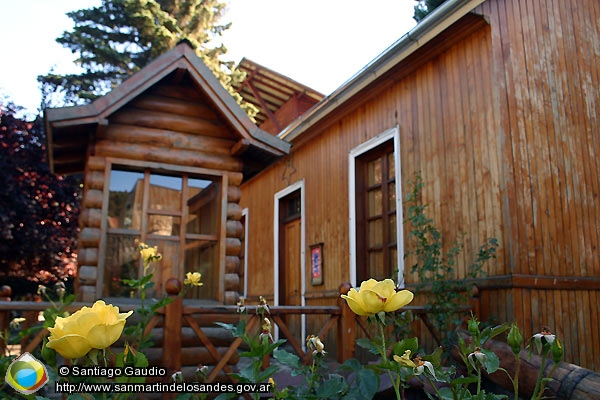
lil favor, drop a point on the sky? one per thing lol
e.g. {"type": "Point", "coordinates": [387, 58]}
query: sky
{"type": "Point", "coordinates": [319, 43]}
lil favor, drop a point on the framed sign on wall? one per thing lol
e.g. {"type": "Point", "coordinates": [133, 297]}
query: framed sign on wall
{"type": "Point", "coordinates": [316, 264]}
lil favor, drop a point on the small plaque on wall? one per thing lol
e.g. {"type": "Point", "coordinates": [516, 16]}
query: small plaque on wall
{"type": "Point", "coordinates": [316, 264]}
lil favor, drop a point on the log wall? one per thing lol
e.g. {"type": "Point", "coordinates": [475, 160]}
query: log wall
{"type": "Point", "coordinates": [502, 125]}
{"type": "Point", "coordinates": [171, 127]}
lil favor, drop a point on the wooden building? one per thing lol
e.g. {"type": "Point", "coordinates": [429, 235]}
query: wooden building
{"type": "Point", "coordinates": [495, 103]}
{"type": "Point", "coordinates": [163, 158]}
{"type": "Point", "coordinates": [279, 99]}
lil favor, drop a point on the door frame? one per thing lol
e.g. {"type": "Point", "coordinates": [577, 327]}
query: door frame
{"type": "Point", "coordinates": [246, 217]}
{"type": "Point", "coordinates": [299, 185]}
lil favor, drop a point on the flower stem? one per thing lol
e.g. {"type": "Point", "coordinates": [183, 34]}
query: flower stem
{"type": "Point", "coordinates": [516, 378]}
{"type": "Point", "coordinates": [478, 370]}
{"type": "Point", "coordinates": [395, 382]}
{"type": "Point", "coordinates": [538, 383]}
{"type": "Point", "coordinates": [435, 389]}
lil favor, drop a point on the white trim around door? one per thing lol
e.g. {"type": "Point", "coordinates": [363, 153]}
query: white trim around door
{"type": "Point", "coordinates": [299, 185]}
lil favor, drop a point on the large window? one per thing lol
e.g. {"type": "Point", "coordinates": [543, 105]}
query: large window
{"type": "Point", "coordinates": [376, 216]}
{"type": "Point", "coordinates": [178, 213]}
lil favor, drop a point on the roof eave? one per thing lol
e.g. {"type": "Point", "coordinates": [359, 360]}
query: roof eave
{"type": "Point", "coordinates": [180, 57]}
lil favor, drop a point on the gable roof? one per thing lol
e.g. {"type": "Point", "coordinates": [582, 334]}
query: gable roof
{"type": "Point", "coordinates": [269, 90]}
{"type": "Point", "coordinates": [69, 128]}
{"type": "Point", "coordinates": [394, 57]}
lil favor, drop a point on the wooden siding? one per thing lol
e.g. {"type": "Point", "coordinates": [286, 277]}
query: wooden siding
{"type": "Point", "coordinates": [502, 126]}
{"type": "Point", "coordinates": [546, 55]}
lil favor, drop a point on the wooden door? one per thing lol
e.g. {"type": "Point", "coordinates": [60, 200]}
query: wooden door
{"type": "Point", "coordinates": [290, 289]}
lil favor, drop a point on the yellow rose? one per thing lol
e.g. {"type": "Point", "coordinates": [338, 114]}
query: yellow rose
{"type": "Point", "coordinates": [97, 327]}
{"type": "Point", "coordinates": [374, 297]}
{"type": "Point", "coordinates": [149, 255]}
{"type": "Point", "coordinates": [193, 279]}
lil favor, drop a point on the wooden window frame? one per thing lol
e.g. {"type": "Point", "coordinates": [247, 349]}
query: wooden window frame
{"type": "Point", "coordinates": [389, 136]}
{"type": "Point", "coordinates": [148, 168]}
{"type": "Point", "coordinates": [363, 219]}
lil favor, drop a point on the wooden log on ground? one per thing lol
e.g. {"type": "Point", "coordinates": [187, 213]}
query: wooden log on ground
{"type": "Point", "coordinates": [567, 381]}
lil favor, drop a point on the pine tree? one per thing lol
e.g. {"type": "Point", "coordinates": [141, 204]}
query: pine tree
{"type": "Point", "coordinates": [424, 7]}
{"type": "Point", "coordinates": [119, 37]}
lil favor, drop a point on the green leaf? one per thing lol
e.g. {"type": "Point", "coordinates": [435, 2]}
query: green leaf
{"type": "Point", "coordinates": [287, 358]}
{"type": "Point", "coordinates": [463, 380]}
{"type": "Point", "coordinates": [367, 383]}
{"type": "Point", "coordinates": [411, 344]}
{"type": "Point", "coordinates": [267, 373]}
{"type": "Point", "coordinates": [238, 330]}
{"type": "Point", "coordinates": [368, 345]}
{"type": "Point", "coordinates": [332, 387]}
{"type": "Point", "coordinates": [434, 358]}
{"type": "Point", "coordinates": [446, 393]}
{"type": "Point", "coordinates": [492, 363]}
{"type": "Point", "coordinates": [491, 332]}
{"type": "Point", "coordinates": [161, 303]}
{"type": "Point", "coordinates": [351, 364]}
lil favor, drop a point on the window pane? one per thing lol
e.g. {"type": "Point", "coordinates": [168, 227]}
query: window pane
{"type": "Point", "coordinates": [393, 260]}
{"type": "Point", "coordinates": [203, 206]}
{"type": "Point", "coordinates": [392, 226]}
{"type": "Point", "coordinates": [122, 262]}
{"type": "Point", "coordinates": [374, 172]}
{"type": "Point", "coordinates": [375, 233]}
{"type": "Point", "coordinates": [166, 268]}
{"type": "Point", "coordinates": [201, 256]}
{"type": "Point", "coordinates": [374, 203]}
{"type": "Point", "coordinates": [391, 166]}
{"type": "Point", "coordinates": [376, 267]}
{"type": "Point", "coordinates": [164, 225]}
{"type": "Point", "coordinates": [392, 196]}
{"type": "Point", "coordinates": [125, 199]}
{"type": "Point", "coordinates": [165, 192]}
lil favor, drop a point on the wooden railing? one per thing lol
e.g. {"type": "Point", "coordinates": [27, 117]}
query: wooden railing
{"type": "Point", "coordinates": [177, 315]}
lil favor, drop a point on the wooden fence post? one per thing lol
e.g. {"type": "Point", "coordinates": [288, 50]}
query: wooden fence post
{"type": "Point", "coordinates": [171, 351]}
{"type": "Point", "coordinates": [346, 328]}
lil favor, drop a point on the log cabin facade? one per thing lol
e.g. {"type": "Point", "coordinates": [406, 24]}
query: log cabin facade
{"type": "Point", "coordinates": [494, 103]}
{"type": "Point", "coordinates": [163, 158]}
